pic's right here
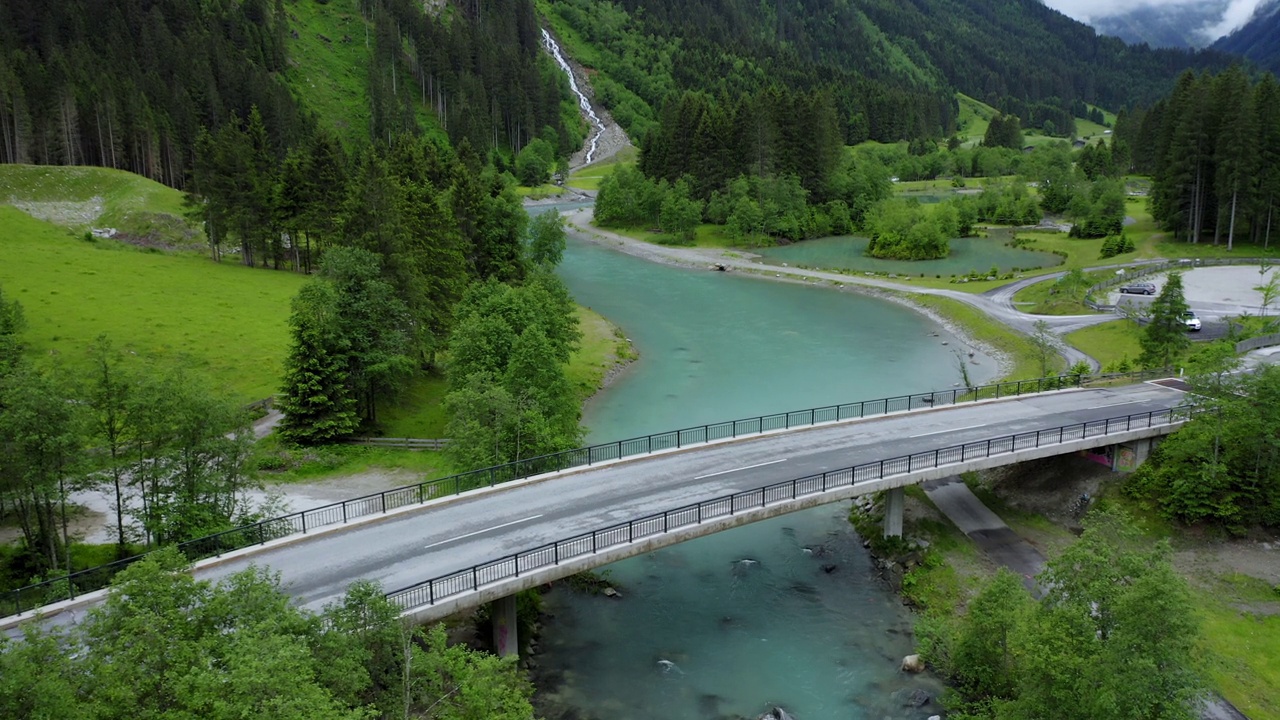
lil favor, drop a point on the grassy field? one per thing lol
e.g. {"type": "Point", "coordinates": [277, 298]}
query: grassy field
{"type": "Point", "coordinates": [281, 464]}
{"type": "Point", "coordinates": [603, 348]}
{"type": "Point", "coordinates": [229, 321]}
{"type": "Point", "coordinates": [1150, 242]}
{"type": "Point", "coordinates": [83, 197]}
{"type": "Point", "coordinates": [1240, 641]}
{"type": "Point", "coordinates": [538, 193]}
{"type": "Point", "coordinates": [331, 73]}
{"type": "Point", "coordinates": [1026, 363]}
{"type": "Point", "coordinates": [1108, 342]}
{"type": "Point", "coordinates": [419, 412]}
{"type": "Point", "coordinates": [589, 177]}
{"type": "Point", "coordinates": [975, 117]}
{"type": "Point", "coordinates": [705, 236]}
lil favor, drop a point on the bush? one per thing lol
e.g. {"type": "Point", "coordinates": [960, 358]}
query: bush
{"type": "Point", "coordinates": [535, 162]}
{"type": "Point", "coordinates": [1116, 245]}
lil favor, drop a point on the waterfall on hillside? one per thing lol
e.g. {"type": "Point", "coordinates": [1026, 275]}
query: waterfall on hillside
{"type": "Point", "coordinates": [550, 44]}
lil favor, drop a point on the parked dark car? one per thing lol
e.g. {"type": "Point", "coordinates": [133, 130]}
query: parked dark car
{"type": "Point", "coordinates": [1139, 288]}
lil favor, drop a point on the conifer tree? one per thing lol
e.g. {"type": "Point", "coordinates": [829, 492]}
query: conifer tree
{"type": "Point", "coordinates": [1267, 108]}
{"type": "Point", "coordinates": [1165, 337]}
{"type": "Point", "coordinates": [316, 398]}
{"type": "Point", "coordinates": [1237, 147]}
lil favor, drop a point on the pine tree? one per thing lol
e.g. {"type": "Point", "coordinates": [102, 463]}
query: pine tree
{"type": "Point", "coordinates": [1266, 106]}
{"type": "Point", "coordinates": [1237, 147]}
{"type": "Point", "coordinates": [1183, 151]}
{"type": "Point", "coordinates": [1165, 337]}
{"type": "Point", "coordinates": [316, 397]}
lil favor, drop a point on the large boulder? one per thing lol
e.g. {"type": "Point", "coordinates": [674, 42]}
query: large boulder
{"type": "Point", "coordinates": [916, 698]}
{"type": "Point", "coordinates": [912, 664]}
{"type": "Point", "coordinates": [777, 714]}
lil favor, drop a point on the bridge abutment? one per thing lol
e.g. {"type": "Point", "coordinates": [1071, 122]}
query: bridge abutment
{"type": "Point", "coordinates": [894, 499]}
{"type": "Point", "coordinates": [503, 614]}
{"type": "Point", "coordinates": [1129, 456]}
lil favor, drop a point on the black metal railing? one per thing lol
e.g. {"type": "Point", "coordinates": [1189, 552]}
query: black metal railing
{"type": "Point", "coordinates": [67, 587]}
{"type": "Point", "coordinates": [475, 577]}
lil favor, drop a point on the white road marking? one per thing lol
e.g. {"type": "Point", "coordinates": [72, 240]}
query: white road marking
{"type": "Point", "coordinates": [1127, 402]}
{"type": "Point", "coordinates": [939, 432]}
{"type": "Point", "coordinates": [749, 467]}
{"type": "Point", "coordinates": [481, 532]}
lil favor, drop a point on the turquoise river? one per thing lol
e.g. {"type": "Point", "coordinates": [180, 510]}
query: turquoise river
{"type": "Point", "coordinates": [696, 633]}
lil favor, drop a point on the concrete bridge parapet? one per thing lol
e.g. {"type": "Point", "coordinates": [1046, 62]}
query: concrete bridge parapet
{"type": "Point", "coordinates": [467, 589]}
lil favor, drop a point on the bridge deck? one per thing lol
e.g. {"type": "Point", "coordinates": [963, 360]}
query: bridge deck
{"type": "Point", "coordinates": [412, 546]}
{"type": "Point", "coordinates": [409, 548]}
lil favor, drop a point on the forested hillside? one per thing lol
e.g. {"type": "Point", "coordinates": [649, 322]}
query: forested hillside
{"type": "Point", "coordinates": [130, 85]}
{"type": "Point", "coordinates": [891, 67]}
{"type": "Point", "coordinates": [1259, 39]}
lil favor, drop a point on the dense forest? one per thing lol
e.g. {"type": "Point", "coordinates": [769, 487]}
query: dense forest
{"type": "Point", "coordinates": [1213, 149]}
{"type": "Point", "coordinates": [129, 85]}
{"type": "Point", "coordinates": [132, 85]}
{"type": "Point", "coordinates": [891, 68]}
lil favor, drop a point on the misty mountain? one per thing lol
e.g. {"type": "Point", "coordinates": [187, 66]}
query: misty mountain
{"type": "Point", "coordinates": [1259, 39]}
{"type": "Point", "coordinates": [1174, 26]}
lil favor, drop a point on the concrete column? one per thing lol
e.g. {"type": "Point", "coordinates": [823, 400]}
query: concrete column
{"type": "Point", "coordinates": [503, 614]}
{"type": "Point", "coordinates": [1127, 457]}
{"type": "Point", "coordinates": [893, 502]}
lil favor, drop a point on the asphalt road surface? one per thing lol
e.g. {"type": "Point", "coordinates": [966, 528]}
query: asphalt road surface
{"type": "Point", "coordinates": [405, 549]}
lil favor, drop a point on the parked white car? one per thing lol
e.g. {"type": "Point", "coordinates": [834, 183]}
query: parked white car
{"type": "Point", "coordinates": [1191, 321]}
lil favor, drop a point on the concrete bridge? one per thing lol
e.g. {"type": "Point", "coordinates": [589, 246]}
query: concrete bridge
{"type": "Point", "coordinates": [481, 546]}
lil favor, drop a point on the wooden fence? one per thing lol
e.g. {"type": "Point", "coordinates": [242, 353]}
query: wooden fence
{"type": "Point", "coordinates": [404, 443]}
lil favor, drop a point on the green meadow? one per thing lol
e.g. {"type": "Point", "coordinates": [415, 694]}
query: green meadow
{"type": "Point", "coordinates": [85, 197]}
{"type": "Point", "coordinates": [228, 322]}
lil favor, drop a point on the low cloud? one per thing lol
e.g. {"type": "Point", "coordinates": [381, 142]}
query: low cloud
{"type": "Point", "coordinates": [1237, 12]}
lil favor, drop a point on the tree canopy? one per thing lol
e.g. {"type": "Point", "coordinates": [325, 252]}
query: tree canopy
{"type": "Point", "coordinates": [1114, 636]}
{"type": "Point", "coordinates": [165, 645]}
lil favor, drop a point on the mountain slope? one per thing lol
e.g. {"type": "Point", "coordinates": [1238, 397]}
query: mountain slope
{"type": "Point", "coordinates": [892, 66]}
{"type": "Point", "coordinates": [1025, 50]}
{"type": "Point", "coordinates": [130, 84]}
{"type": "Point", "coordinates": [1259, 39]}
{"type": "Point", "coordinates": [1172, 26]}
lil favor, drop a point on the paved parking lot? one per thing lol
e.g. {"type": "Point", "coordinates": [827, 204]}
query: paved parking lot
{"type": "Point", "coordinates": [1214, 293]}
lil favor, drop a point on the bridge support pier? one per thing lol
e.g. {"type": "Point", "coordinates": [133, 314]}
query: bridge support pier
{"type": "Point", "coordinates": [1127, 457]}
{"type": "Point", "coordinates": [503, 614]}
{"type": "Point", "coordinates": [893, 501]}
